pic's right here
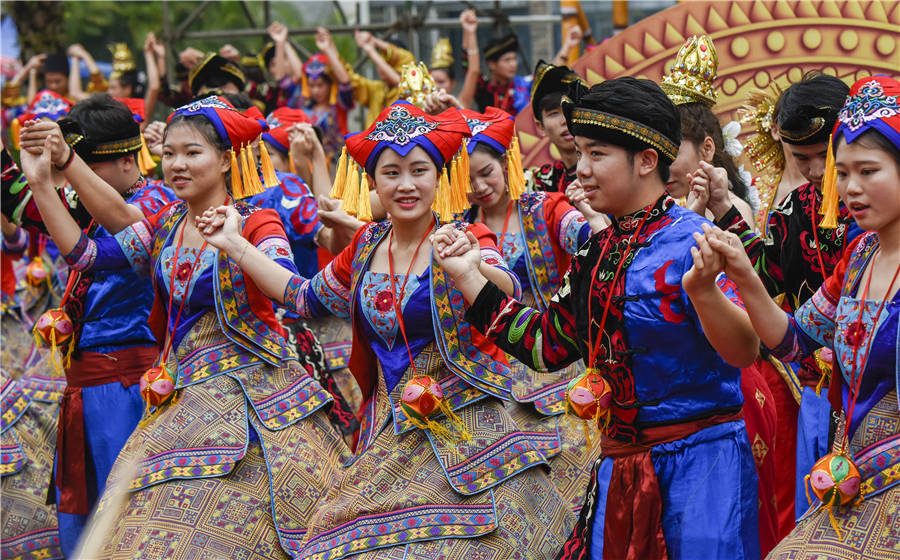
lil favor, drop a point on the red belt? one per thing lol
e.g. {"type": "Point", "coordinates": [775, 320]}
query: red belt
{"type": "Point", "coordinates": [634, 481]}
{"type": "Point", "coordinates": [90, 370]}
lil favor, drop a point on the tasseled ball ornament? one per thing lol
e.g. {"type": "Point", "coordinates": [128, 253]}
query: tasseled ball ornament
{"type": "Point", "coordinates": [423, 397]}
{"type": "Point", "coordinates": [589, 395]}
{"type": "Point", "coordinates": [835, 480]}
{"type": "Point", "coordinates": [157, 386]}
{"type": "Point", "coordinates": [37, 272]}
{"type": "Point", "coordinates": [54, 328]}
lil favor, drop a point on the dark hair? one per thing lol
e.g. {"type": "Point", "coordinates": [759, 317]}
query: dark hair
{"type": "Point", "coordinates": [698, 122]}
{"type": "Point", "coordinates": [451, 74]}
{"type": "Point", "coordinates": [130, 78]}
{"type": "Point", "coordinates": [486, 148]}
{"type": "Point", "coordinates": [239, 101]}
{"type": "Point", "coordinates": [549, 102]}
{"type": "Point", "coordinates": [202, 125]}
{"type": "Point", "coordinates": [816, 95]}
{"type": "Point", "coordinates": [874, 140]}
{"type": "Point", "coordinates": [102, 118]}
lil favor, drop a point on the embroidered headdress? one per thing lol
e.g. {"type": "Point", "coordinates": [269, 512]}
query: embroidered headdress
{"type": "Point", "coordinates": [442, 54]}
{"type": "Point", "coordinates": [217, 70]}
{"type": "Point", "coordinates": [137, 108]}
{"type": "Point", "coordinates": [549, 79]}
{"type": "Point", "coordinates": [691, 77]}
{"type": "Point", "coordinates": [317, 66]}
{"type": "Point", "coordinates": [238, 131]}
{"type": "Point", "coordinates": [628, 112]}
{"type": "Point", "coordinates": [47, 104]}
{"type": "Point", "coordinates": [872, 105]}
{"type": "Point", "coordinates": [280, 121]}
{"type": "Point", "coordinates": [497, 129]}
{"type": "Point", "coordinates": [401, 127]}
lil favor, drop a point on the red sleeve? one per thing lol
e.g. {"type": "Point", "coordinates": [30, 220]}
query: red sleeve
{"type": "Point", "coordinates": [834, 284]}
{"type": "Point", "coordinates": [486, 238]}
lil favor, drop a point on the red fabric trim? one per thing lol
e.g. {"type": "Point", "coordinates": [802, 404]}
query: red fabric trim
{"type": "Point", "coordinates": [91, 369]}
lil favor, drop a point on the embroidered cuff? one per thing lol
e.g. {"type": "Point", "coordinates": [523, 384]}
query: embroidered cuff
{"type": "Point", "coordinates": [17, 243]}
{"type": "Point", "coordinates": [82, 255]}
{"type": "Point", "coordinates": [788, 349]}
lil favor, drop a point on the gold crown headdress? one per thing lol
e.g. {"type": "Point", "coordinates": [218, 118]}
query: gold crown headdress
{"type": "Point", "coordinates": [416, 83]}
{"type": "Point", "coordinates": [442, 54]}
{"type": "Point", "coordinates": [123, 61]}
{"type": "Point", "coordinates": [690, 79]}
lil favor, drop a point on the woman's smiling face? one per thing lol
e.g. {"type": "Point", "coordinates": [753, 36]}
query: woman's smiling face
{"type": "Point", "coordinates": [406, 185]}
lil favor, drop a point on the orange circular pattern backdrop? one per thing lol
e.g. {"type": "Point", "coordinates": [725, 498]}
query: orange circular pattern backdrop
{"type": "Point", "coordinates": [759, 43]}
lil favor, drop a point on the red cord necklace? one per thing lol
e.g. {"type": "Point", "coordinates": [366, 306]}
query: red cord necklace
{"type": "Point", "coordinates": [815, 229]}
{"type": "Point", "coordinates": [857, 331]}
{"type": "Point", "coordinates": [505, 225]}
{"type": "Point", "coordinates": [398, 300]}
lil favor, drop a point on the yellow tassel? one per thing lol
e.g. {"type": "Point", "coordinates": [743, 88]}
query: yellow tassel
{"type": "Point", "coordinates": [806, 487]}
{"type": "Point", "coordinates": [443, 198]}
{"type": "Point", "coordinates": [246, 182]}
{"type": "Point", "coordinates": [464, 166]}
{"type": "Point", "coordinates": [236, 190]}
{"type": "Point", "coordinates": [69, 351]}
{"type": "Point", "coordinates": [332, 97]}
{"type": "Point", "coordinates": [337, 189]}
{"type": "Point", "coordinates": [515, 175]}
{"type": "Point", "coordinates": [834, 523]}
{"type": "Point", "coordinates": [350, 200]}
{"type": "Point", "coordinates": [304, 85]}
{"type": "Point", "coordinates": [457, 204]}
{"type": "Point", "coordinates": [14, 128]}
{"type": "Point", "coordinates": [145, 160]}
{"type": "Point", "coordinates": [268, 170]}
{"type": "Point", "coordinates": [830, 199]}
{"type": "Point", "coordinates": [256, 186]}
{"type": "Point", "coordinates": [365, 205]}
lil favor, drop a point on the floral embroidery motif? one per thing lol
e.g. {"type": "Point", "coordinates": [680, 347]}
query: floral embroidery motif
{"type": "Point", "coordinates": [184, 280]}
{"type": "Point", "coordinates": [378, 303]}
{"type": "Point", "coordinates": [477, 126]}
{"type": "Point", "coordinates": [400, 127]}
{"type": "Point", "coordinates": [869, 104]}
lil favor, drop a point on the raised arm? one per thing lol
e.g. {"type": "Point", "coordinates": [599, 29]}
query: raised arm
{"type": "Point", "coordinates": [469, 22]}
{"type": "Point", "coordinates": [98, 84]}
{"type": "Point", "coordinates": [366, 42]}
{"type": "Point", "coordinates": [325, 43]}
{"type": "Point", "coordinates": [101, 200]}
{"type": "Point", "coordinates": [572, 40]}
{"type": "Point", "coordinates": [12, 88]}
{"type": "Point", "coordinates": [153, 81]}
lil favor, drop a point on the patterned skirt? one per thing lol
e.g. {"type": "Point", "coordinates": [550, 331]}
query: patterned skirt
{"type": "Point", "coordinates": [395, 498]}
{"type": "Point", "coordinates": [870, 529]}
{"type": "Point", "coordinates": [539, 404]}
{"type": "Point", "coordinates": [231, 469]}
{"type": "Point", "coordinates": [29, 526]}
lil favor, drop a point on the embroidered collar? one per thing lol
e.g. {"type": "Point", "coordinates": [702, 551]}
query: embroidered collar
{"type": "Point", "coordinates": [629, 222]}
{"type": "Point", "coordinates": [133, 189]}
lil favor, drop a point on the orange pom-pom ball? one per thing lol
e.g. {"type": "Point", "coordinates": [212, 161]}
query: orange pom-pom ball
{"type": "Point", "coordinates": [157, 385]}
{"type": "Point", "coordinates": [421, 397]}
{"type": "Point", "coordinates": [589, 395]}
{"type": "Point", "coordinates": [835, 479]}
{"type": "Point", "coordinates": [54, 326]}
{"type": "Point", "coordinates": [37, 272]}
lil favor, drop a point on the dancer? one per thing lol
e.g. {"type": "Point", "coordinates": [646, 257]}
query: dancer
{"type": "Point", "coordinates": [664, 341]}
{"type": "Point", "coordinates": [224, 363]}
{"type": "Point", "coordinates": [550, 85]}
{"type": "Point", "coordinates": [437, 452]}
{"type": "Point", "coordinates": [112, 344]}
{"type": "Point", "coordinates": [538, 233]}
{"type": "Point", "coordinates": [855, 312]}
{"type": "Point", "coordinates": [794, 258]}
